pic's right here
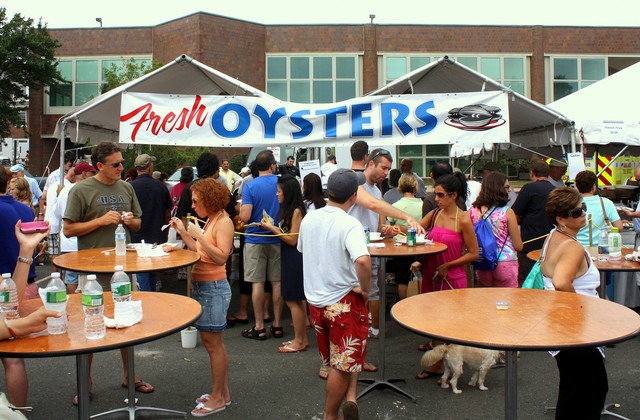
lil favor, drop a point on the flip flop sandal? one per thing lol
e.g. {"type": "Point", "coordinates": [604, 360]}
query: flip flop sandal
{"type": "Point", "coordinates": [324, 372]}
{"type": "Point", "coordinates": [427, 375]}
{"type": "Point", "coordinates": [237, 320]}
{"type": "Point", "coordinates": [368, 367]}
{"type": "Point", "coordinates": [202, 399]}
{"type": "Point", "coordinates": [205, 411]}
{"type": "Point", "coordinates": [276, 331]}
{"type": "Point", "coordinates": [287, 349]}
{"type": "Point", "coordinates": [254, 334]}
{"type": "Point", "coordinates": [350, 411]}
{"type": "Point", "coordinates": [141, 386]}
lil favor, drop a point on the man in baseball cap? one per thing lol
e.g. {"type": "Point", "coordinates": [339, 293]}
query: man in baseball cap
{"type": "Point", "coordinates": [332, 239]}
{"type": "Point", "coordinates": [557, 169]}
{"type": "Point", "coordinates": [143, 162]}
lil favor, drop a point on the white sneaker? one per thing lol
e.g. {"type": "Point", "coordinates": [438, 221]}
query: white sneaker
{"type": "Point", "coordinates": [373, 332]}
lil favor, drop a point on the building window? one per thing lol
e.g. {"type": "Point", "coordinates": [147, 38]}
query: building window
{"type": "Point", "coordinates": [509, 71]}
{"type": "Point", "coordinates": [424, 157]}
{"type": "Point", "coordinates": [572, 74]}
{"type": "Point", "coordinates": [84, 77]}
{"type": "Point", "coordinates": [313, 79]}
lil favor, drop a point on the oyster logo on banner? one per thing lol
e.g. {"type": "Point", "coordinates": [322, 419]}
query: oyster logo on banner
{"type": "Point", "coordinates": [195, 120]}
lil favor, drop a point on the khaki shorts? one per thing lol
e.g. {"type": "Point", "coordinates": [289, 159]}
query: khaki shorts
{"type": "Point", "coordinates": [261, 263]}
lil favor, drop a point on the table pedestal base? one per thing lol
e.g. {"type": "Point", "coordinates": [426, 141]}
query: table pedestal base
{"type": "Point", "coordinates": [382, 383]}
{"type": "Point", "coordinates": [511, 390]}
{"type": "Point", "coordinates": [131, 408]}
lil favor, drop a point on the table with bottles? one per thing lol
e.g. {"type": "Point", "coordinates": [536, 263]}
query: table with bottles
{"type": "Point", "coordinates": [603, 266]}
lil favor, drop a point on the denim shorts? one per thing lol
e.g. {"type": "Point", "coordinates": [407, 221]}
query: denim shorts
{"type": "Point", "coordinates": [214, 296]}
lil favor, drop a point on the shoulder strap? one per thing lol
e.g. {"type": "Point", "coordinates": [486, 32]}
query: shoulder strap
{"type": "Point", "coordinates": [434, 217]}
{"type": "Point", "coordinates": [604, 213]}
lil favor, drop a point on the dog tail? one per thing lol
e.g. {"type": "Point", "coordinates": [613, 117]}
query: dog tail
{"type": "Point", "coordinates": [432, 357]}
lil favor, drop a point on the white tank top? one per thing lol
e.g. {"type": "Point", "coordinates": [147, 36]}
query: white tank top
{"type": "Point", "coordinates": [587, 284]}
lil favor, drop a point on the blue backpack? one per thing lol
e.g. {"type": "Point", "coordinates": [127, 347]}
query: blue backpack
{"type": "Point", "coordinates": [488, 248]}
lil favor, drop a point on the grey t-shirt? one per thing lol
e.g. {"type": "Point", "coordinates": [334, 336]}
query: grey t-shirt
{"type": "Point", "coordinates": [368, 218]}
{"type": "Point", "coordinates": [91, 199]}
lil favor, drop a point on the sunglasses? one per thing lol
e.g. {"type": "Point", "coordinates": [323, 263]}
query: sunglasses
{"type": "Point", "coordinates": [379, 152]}
{"type": "Point", "coordinates": [114, 165]}
{"type": "Point", "coordinates": [577, 212]}
{"type": "Point", "coordinates": [507, 187]}
{"type": "Point", "coordinates": [442, 195]}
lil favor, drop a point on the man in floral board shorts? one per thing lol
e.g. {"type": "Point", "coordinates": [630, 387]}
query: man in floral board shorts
{"type": "Point", "coordinates": [337, 279]}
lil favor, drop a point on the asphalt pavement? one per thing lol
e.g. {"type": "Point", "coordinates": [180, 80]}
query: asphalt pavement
{"type": "Point", "coordinates": [266, 384]}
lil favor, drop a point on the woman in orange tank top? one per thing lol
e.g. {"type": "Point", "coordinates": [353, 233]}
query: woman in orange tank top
{"type": "Point", "coordinates": [211, 289]}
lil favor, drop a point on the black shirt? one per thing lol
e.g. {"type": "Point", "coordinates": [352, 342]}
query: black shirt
{"type": "Point", "coordinates": [154, 200]}
{"type": "Point", "coordinates": [184, 205]}
{"type": "Point", "coordinates": [530, 207]}
{"type": "Point", "coordinates": [291, 170]}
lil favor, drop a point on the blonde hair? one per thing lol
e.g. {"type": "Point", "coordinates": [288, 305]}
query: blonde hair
{"type": "Point", "coordinates": [21, 190]}
{"type": "Point", "coordinates": [407, 184]}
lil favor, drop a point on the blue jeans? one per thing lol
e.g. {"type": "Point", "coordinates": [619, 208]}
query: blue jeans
{"type": "Point", "coordinates": [147, 281]}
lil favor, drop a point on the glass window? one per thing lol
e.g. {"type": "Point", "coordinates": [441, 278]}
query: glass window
{"type": "Point", "coordinates": [64, 67]}
{"type": "Point", "coordinates": [565, 69]}
{"type": "Point", "coordinates": [396, 67]}
{"type": "Point", "coordinates": [513, 68]}
{"type": "Point", "coordinates": [410, 151]}
{"type": "Point", "coordinates": [345, 67]}
{"type": "Point", "coordinates": [418, 166]}
{"type": "Point", "coordinates": [515, 86]}
{"type": "Point", "coordinates": [437, 150]}
{"type": "Point", "coordinates": [345, 89]}
{"type": "Point", "coordinates": [60, 95]}
{"type": "Point", "coordinates": [491, 67]}
{"type": "Point", "coordinates": [109, 65]}
{"type": "Point", "coordinates": [562, 89]}
{"type": "Point", "coordinates": [85, 92]}
{"type": "Point", "coordinates": [278, 89]}
{"type": "Point", "coordinates": [276, 67]}
{"type": "Point", "coordinates": [417, 62]}
{"type": "Point", "coordinates": [299, 67]}
{"type": "Point", "coordinates": [471, 62]}
{"type": "Point", "coordinates": [86, 71]}
{"type": "Point", "coordinates": [300, 91]}
{"type": "Point", "coordinates": [322, 68]}
{"type": "Point", "coordinates": [593, 69]}
{"type": "Point", "coordinates": [322, 91]}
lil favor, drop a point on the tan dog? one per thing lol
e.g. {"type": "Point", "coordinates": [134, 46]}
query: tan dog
{"type": "Point", "coordinates": [481, 360]}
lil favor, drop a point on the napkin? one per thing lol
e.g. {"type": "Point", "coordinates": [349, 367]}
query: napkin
{"type": "Point", "coordinates": [376, 245]}
{"type": "Point", "coordinates": [126, 314]}
{"type": "Point", "coordinates": [149, 251]}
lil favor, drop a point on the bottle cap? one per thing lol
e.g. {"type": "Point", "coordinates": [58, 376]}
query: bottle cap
{"type": "Point", "coordinates": [6, 275]}
{"type": "Point", "coordinates": [55, 275]}
{"type": "Point", "coordinates": [118, 268]}
{"type": "Point", "coordinates": [614, 230]}
{"type": "Point", "coordinates": [91, 277]}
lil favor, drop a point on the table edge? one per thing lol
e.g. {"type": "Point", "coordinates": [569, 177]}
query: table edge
{"type": "Point", "coordinates": [94, 271]}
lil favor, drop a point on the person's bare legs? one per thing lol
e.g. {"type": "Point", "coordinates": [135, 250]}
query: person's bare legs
{"type": "Point", "coordinates": [402, 291]}
{"type": "Point", "coordinates": [352, 390]}
{"type": "Point", "coordinates": [214, 345]}
{"type": "Point", "coordinates": [374, 308]}
{"type": "Point", "coordinates": [15, 376]}
{"type": "Point", "coordinates": [268, 296]}
{"type": "Point", "coordinates": [257, 299]}
{"type": "Point", "coordinates": [71, 288]}
{"type": "Point", "coordinates": [243, 311]}
{"type": "Point", "coordinates": [278, 304]}
{"type": "Point", "coordinates": [338, 383]}
{"type": "Point", "coordinates": [299, 317]}
{"type": "Point", "coordinates": [125, 359]}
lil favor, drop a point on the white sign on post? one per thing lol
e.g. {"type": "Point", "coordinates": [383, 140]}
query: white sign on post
{"type": "Point", "coordinates": [576, 164]}
{"type": "Point", "coordinates": [309, 166]}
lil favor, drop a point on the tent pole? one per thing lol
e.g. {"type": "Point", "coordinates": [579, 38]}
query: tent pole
{"type": "Point", "coordinates": [612, 160]}
{"type": "Point", "coordinates": [61, 168]}
{"type": "Point", "coordinates": [536, 153]}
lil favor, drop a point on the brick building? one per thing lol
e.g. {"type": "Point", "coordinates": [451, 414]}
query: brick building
{"type": "Point", "coordinates": [328, 63]}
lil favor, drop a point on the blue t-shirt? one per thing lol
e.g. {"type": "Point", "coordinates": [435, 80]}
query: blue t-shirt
{"type": "Point", "coordinates": [10, 212]}
{"type": "Point", "coordinates": [261, 194]}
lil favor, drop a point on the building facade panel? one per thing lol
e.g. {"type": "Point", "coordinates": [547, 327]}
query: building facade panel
{"type": "Point", "coordinates": [103, 41]}
{"type": "Point", "coordinates": [314, 38]}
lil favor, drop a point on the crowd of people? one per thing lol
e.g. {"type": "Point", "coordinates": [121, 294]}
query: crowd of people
{"type": "Point", "coordinates": [302, 243]}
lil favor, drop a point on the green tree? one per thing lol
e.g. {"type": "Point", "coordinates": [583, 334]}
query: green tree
{"type": "Point", "coordinates": [130, 70]}
{"type": "Point", "coordinates": [26, 61]}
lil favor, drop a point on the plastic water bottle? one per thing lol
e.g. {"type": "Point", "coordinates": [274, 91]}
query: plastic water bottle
{"type": "Point", "coordinates": [603, 245]}
{"type": "Point", "coordinates": [121, 240]}
{"type": "Point", "coordinates": [172, 235]}
{"type": "Point", "coordinates": [615, 246]}
{"type": "Point", "coordinates": [93, 305]}
{"type": "Point", "coordinates": [9, 297]}
{"type": "Point", "coordinates": [121, 292]}
{"type": "Point", "coordinates": [56, 300]}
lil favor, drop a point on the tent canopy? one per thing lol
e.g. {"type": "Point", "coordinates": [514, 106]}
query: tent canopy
{"type": "Point", "coordinates": [99, 118]}
{"type": "Point", "coordinates": [606, 110]}
{"type": "Point", "coordinates": [531, 124]}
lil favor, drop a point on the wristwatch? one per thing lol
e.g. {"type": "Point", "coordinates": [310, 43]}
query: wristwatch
{"type": "Point", "coordinates": [25, 260]}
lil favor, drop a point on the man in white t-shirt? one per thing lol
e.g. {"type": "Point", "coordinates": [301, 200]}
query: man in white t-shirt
{"type": "Point", "coordinates": [337, 277]}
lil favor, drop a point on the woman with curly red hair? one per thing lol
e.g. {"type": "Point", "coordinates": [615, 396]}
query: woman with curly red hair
{"type": "Point", "coordinates": [211, 289]}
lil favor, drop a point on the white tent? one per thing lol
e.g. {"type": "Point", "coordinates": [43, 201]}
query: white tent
{"type": "Point", "coordinates": [99, 119]}
{"type": "Point", "coordinates": [532, 125]}
{"type": "Point", "coordinates": [606, 110]}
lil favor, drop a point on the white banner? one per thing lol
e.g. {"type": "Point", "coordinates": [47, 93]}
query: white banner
{"type": "Point", "coordinates": [195, 120]}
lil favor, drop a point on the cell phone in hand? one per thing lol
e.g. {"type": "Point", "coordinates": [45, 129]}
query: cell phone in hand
{"type": "Point", "coordinates": [34, 227]}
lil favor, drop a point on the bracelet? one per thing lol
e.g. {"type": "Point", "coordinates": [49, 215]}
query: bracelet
{"type": "Point", "coordinates": [6, 323]}
{"type": "Point", "coordinates": [25, 260]}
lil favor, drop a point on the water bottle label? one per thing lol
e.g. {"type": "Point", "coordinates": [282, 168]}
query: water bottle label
{"type": "Point", "coordinates": [4, 297]}
{"type": "Point", "coordinates": [92, 300]}
{"type": "Point", "coordinates": [57, 297]}
{"type": "Point", "coordinates": [122, 290]}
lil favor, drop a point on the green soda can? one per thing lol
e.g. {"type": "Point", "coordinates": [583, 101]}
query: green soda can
{"type": "Point", "coordinates": [411, 237]}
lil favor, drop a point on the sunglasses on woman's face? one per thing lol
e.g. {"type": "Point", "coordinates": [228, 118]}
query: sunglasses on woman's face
{"type": "Point", "coordinates": [577, 212]}
{"type": "Point", "coordinates": [442, 195]}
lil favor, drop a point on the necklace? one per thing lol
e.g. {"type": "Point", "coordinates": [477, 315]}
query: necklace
{"type": "Point", "coordinates": [566, 234]}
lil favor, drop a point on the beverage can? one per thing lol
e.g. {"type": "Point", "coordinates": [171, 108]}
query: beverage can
{"type": "Point", "coordinates": [411, 237]}
{"type": "Point", "coordinates": [367, 233]}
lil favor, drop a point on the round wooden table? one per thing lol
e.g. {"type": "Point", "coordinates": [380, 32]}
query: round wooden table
{"type": "Point", "coordinates": [98, 261]}
{"type": "Point", "coordinates": [535, 320]}
{"type": "Point", "coordinates": [602, 266]}
{"type": "Point", "coordinates": [390, 250]}
{"type": "Point", "coordinates": [163, 314]}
